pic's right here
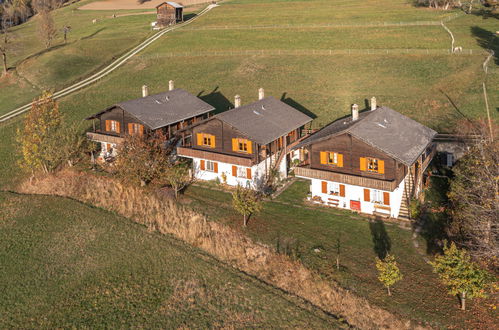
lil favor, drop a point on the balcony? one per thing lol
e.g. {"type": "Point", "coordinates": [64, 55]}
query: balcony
{"type": "Point", "coordinates": [346, 178]}
{"type": "Point", "coordinates": [99, 137]}
{"type": "Point", "coordinates": [214, 156]}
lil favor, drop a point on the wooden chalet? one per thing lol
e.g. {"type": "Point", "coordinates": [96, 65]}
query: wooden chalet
{"type": "Point", "coordinates": [169, 13]}
{"type": "Point", "coordinates": [371, 162]}
{"type": "Point", "coordinates": [241, 146]}
{"type": "Point", "coordinates": [171, 112]}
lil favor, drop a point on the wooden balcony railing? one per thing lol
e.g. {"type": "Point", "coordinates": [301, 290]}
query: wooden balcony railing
{"type": "Point", "coordinates": [346, 178]}
{"type": "Point", "coordinates": [214, 156]}
{"type": "Point", "coordinates": [99, 137]}
{"type": "Point", "coordinates": [428, 159]}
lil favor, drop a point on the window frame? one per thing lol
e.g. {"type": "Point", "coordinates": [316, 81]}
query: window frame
{"type": "Point", "coordinates": [374, 161]}
{"type": "Point", "coordinates": [208, 140]}
{"type": "Point", "coordinates": [335, 158]}
{"type": "Point", "coordinates": [208, 164]}
{"type": "Point", "coordinates": [377, 196]}
{"type": "Point", "coordinates": [333, 188]}
{"type": "Point", "coordinates": [241, 169]}
{"type": "Point", "coordinates": [113, 126]}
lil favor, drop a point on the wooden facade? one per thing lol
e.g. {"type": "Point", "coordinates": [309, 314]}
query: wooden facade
{"type": "Point", "coordinates": [168, 14]}
{"type": "Point", "coordinates": [226, 137]}
{"type": "Point", "coordinates": [352, 151]}
{"type": "Point", "coordinates": [128, 124]}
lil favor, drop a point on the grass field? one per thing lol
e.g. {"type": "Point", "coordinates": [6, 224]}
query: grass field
{"type": "Point", "coordinates": [295, 228]}
{"type": "Point", "coordinates": [67, 265]}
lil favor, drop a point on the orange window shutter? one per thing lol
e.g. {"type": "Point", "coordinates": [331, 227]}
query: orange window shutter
{"type": "Point", "coordinates": [118, 127]}
{"type": "Point", "coordinates": [381, 166]}
{"type": "Point", "coordinates": [363, 164]}
{"type": "Point", "coordinates": [324, 187]}
{"type": "Point", "coordinates": [248, 173]}
{"type": "Point", "coordinates": [340, 160]}
{"type": "Point", "coordinates": [130, 128]}
{"type": "Point", "coordinates": [235, 145]}
{"type": "Point", "coordinates": [108, 125]}
{"type": "Point", "coordinates": [215, 167]}
{"type": "Point", "coordinates": [367, 195]}
{"type": "Point", "coordinates": [386, 198]}
{"type": "Point", "coordinates": [213, 141]}
{"type": "Point", "coordinates": [141, 129]}
{"type": "Point", "coordinates": [234, 170]}
{"type": "Point", "coordinates": [323, 157]}
{"type": "Point", "coordinates": [342, 190]}
{"type": "Point", "coordinates": [250, 146]}
{"type": "Point", "coordinates": [108, 147]}
{"type": "Point", "coordinates": [199, 138]}
{"type": "Point", "coordinates": [202, 165]}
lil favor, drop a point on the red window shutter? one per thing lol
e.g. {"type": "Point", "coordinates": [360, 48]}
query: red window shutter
{"type": "Point", "coordinates": [202, 165]}
{"type": "Point", "coordinates": [324, 187]}
{"type": "Point", "coordinates": [215, 167]}
{"type": "Point", "coordinates": [367, 195]}
{"type": "Point", "coordinates": [234, 170]}
{"type": "Point", "coordinates": [342, 190]}
{"type": "Point", "coordinates": [248, 173]}
{"type": "Point", "coordinates": [386, 198]}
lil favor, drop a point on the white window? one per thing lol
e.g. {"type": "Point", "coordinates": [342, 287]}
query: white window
{"type": "Point", "coordinates": [334, 188]}
{"type": "Point", "coordinates": [210, 166]}
{"type": "Point", "coordinates": [241, 172]}
{"type": "Point", "coordinates": [114, 126]}
{"type": "Point", "coordinates": [376, 196]}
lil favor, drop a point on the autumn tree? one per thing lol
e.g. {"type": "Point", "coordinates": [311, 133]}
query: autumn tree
{"type": "Point", "coordinates": [36, 137]}
{"type": "Point", "coordinates": [474, 192]}
{"type": "Point", "coordinates": [177, 176]}
{"type": "Point", "coordinates": [461, 276]}
{"type": "Point", "coordinates": [388, 271]}
{"type": "Point", "coordinates": [142, 159]}
{"type": "Point", "coordinates": [67, 145]}
{"type": "Point", "coordinates": [246, 202]}
{"type": "Point", "coordinates": [7, 14]}
{"type": "Point", "coordinates": [46, 28]}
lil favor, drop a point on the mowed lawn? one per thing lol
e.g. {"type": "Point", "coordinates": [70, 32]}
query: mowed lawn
{"type": "Point", "coordinates": [67, 265]}
{"type": "Point", "coordinates": [313, 235]}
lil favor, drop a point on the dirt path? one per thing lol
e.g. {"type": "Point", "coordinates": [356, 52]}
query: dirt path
{"type": "Point", "coordinates": [132, 4]}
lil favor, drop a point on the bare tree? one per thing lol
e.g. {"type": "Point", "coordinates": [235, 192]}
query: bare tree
{"type": "Point", "coordinates": [7, 12]}
{"type": "Point", "coordinates": [46, 28]}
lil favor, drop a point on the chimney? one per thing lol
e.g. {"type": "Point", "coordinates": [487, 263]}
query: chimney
{"type": "Point", "coordinates": [171, 85]}
{"type": "Point", "coordinates": [373, 103]}
{"type": "Point", "coordinates": [145, 91]}
{"type": "Point", "coordinates": [261, 94]}
{"type": "Point", "coordinates": [237, 101]}
{"type": "Point", "coordinates": [355, 112]}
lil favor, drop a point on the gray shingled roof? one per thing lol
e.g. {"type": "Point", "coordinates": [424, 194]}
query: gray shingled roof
{"type": "Point", "coordinates": [164, 109]}
{"type": "Point", "coordinates": [265, 120]}
{"type": "Point", "coordinates": [385, 129]}
{"type": "Point", "coordinates": [171, 3]}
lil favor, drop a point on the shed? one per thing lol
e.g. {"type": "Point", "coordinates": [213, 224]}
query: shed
{"type": "Point", "coordinates": [169, 13]}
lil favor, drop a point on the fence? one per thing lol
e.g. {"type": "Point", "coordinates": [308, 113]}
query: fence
{"type": "Point", "coordinates": [312, 52]}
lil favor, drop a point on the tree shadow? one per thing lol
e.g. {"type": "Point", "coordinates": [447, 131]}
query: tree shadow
{"type": "Point", "coordinates": [217, 100]}
{"type": "Point", "coordinates": [292, 103]}
{"type": "Point", "coordinates": [381, 241]}
{"type": "Point", "coordinates": [189, 16]}
{"type": "Point", "coordinates": [485, 13]}
{"type": "Point", "coordinates": [487, 40]}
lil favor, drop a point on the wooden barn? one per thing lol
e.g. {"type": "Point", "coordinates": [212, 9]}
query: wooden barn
{"type": "Point", "coordinates": [169, 13]}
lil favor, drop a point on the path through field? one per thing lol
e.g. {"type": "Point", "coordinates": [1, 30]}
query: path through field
{"type": "Point", "coordinates": [107, 70]}
{"type": "Point", "coordinates": [131, 4]}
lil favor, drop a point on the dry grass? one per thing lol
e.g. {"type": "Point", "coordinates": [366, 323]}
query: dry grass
{"type": "Point", "coordinates": [219, 240]}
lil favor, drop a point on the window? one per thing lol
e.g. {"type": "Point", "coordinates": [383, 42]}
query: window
{"type": "Point", "coordinates": [242, 145]}
{"type": "Point", "coordinates": [134, 128]}
{"type": "Point", "coordinates": [376, 196]}
{"type": "Point", "coordinates": [334, 188]}
{"type": "Point", "coordinates": [206, 140]}
{"type": "Point", "coordinates": [331, 158]}
{"type": "Point", "coordinates": [241, 172]}
{"type": "Point", "coordinates": [210, 166]}
{"type": "Point", "coordinates": [372, 165]}
{"type": "Point", "coordinates": [113, 126]}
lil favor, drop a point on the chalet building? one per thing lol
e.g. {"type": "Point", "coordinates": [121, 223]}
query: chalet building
{"type": "Point", "coordinates": [169, 13]}
{"type": "Point", "coordinates": [171, 112]}
{"type": "Point", "coordinates": [371, 162]}
{"type": "Point", "coordinates": [244, 145]}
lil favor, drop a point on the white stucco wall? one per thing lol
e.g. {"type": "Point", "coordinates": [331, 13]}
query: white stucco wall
{"type": "Point", "coordinates": [356, 193]}
{"type": "Point", "coordinates": [257, 173]}
{"type": "Point", "coordinates": [104, 152]}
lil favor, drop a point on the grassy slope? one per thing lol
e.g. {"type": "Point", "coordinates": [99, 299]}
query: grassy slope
{"type": "Point", "coordinates": [68, 265]}
{"type": "Point", "coordinates": [297, 229]}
